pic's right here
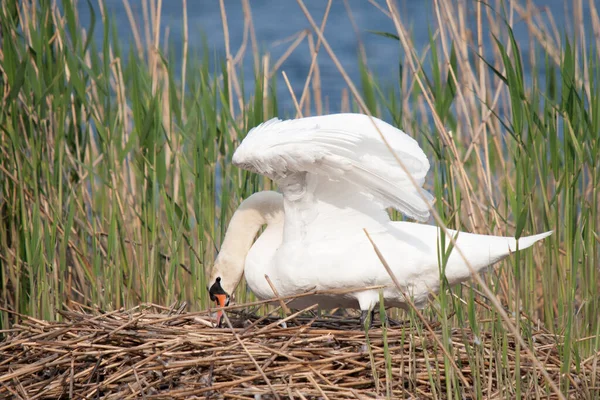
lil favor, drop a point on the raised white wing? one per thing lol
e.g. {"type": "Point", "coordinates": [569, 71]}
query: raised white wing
{"type": "Point", "coordinates": [342, 147]}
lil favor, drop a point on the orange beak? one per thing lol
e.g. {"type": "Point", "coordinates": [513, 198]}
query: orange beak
{"type": "Point", "coordinates": [221, 302]}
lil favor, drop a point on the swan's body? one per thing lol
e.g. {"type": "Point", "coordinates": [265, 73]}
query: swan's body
{"type": "Point", "coordinates": [337, 177]}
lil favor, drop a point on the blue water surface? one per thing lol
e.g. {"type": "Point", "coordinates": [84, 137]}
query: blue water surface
{"type": "Point", "coordinates": [277, 20]}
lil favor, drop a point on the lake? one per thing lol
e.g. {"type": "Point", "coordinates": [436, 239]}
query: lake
{"type": "Point", "coordinates": [275, 21]}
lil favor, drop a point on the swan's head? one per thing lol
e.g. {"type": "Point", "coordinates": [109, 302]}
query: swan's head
{"type": "Point", "coordinates": [219, 296]}
{"type": "Point", "coordinates": [222, 281]}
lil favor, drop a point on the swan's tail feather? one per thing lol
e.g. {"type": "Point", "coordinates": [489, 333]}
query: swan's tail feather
{"type": "Point", "coordinates": [482, 251]}
{"type": "Point", "coordinates": [528, 241]}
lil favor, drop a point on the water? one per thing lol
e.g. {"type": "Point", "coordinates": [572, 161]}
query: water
{"type": "Point", "coordinates": [278, 20]}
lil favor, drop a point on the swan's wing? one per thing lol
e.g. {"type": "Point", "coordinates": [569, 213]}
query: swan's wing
{"type": "Point", "coordinates": [341, 147]}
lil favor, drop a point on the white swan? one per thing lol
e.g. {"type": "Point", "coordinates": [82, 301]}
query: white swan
{"type": "Point", "coordinates": [337, 177]}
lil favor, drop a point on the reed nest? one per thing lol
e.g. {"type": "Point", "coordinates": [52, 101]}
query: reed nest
{"type": "Point", "coordinates": [153, 352]}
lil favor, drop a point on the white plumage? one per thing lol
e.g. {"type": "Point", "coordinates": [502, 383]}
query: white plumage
{"type": "Point", "coordinates": [336, 178]}
{"type": "Point", "coordinates": [341, 147]}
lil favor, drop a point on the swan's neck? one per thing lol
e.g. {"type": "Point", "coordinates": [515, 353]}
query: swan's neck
{"type": "Point", "coordinates": [257, 210]}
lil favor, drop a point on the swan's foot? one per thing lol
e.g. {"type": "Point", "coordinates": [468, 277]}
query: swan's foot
{"type": "Point", "coordinates": [366, 318]}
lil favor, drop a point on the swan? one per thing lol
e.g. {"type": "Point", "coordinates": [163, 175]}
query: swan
{"type": "Point", "coordinates": [337, 177]}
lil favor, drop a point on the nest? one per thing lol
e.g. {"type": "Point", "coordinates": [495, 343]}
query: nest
{"type": "Point", "coordinates": [152, 352]}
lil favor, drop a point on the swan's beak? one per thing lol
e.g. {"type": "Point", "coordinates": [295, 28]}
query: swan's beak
{"type": "Point", "coordinates": [222, 301]}
{"type": "Point", "coordinates": [220, 296]}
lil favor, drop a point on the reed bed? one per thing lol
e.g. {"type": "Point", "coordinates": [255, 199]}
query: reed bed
{"type": "Point", "coordinates": [153, 352]}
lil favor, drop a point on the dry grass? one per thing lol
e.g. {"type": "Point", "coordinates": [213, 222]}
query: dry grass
{"type": "Point", "coordinates": [153, 352]}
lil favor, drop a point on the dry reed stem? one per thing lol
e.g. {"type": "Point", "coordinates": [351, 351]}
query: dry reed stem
{"type": "Point", "coordinates": [292, 95]}
{"type": "Point", "coordinates": [314, 67]}
{"type": "Point", "coordinates": [146, 352]}
{"type": "Point", "coordinates": [300, 36]}
{"type": "Point", "coordinates": [229, 59]}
